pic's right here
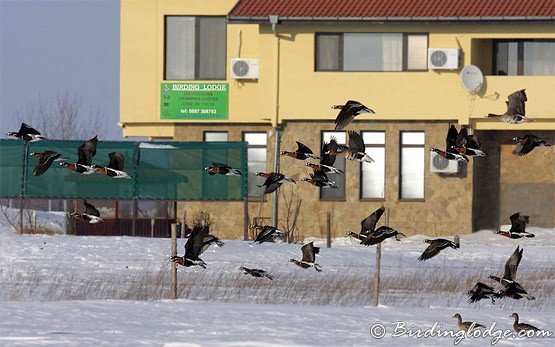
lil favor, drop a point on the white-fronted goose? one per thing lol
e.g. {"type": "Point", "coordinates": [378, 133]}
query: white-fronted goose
{"type": "Point", "coordinates": [348, 112]}
{"type": "Point", "coordinates": [309, 256]}
{"type": "Point", "coordinates": [482, 291]}
{"type": "Point", "coordinates": [527, 143]}
{"type": "Point", "coordinates": [114, 168]}
{"type": "Point", "coordinates": [380, 234]}
{"type": "Point", "coordinates": [302, 152]}
{"type": "Point", "coordinates": [26, 133]}
{"type": "Point", "coordinates": [518, 327]}
{"type": "Point", "coordinates": [466, 326]}
{"type": "Point", "coordinates": [266, 233]}
{"type": "Point", "coordinates": [274, 180]}
{"type": "Point", "coordinates": [512, 289]}
{"type": "Point", "coordinates": [222, 169]}
{"type": "Point", "coordinates": [437, 245]}
{"type": "Point", "coordinates": [256, 272]}
{"type": "Point", "coordinates": [46, 159]}
{"type": "Point", "coordinates": [515, 113]}
{"type": "Point", "coordinates": [91, 214]}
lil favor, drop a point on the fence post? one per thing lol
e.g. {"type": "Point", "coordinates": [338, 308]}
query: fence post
{"type": "Point", "coordinates": [183, 223]}
{"type": "Point", "coordinates": [328, 227]}
{"type": "Point", "coordinates": [173, 264]}
{"type": "Point", "coordinates": [375, 297]}
{"type": "Point", "coordinates": [134, 218]}
{"type": "Point", "coordinates": [245, 220]}
{"type": "Point", "coordinates": [152, 221]}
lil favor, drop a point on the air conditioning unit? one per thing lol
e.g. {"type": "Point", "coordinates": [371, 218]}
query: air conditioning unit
{"type": "Point", "coordinates": [441, 165]}
{"type": "Point", "coordinates": [244, 68]}
{"type": "Point", "coordinates": [443, 58]}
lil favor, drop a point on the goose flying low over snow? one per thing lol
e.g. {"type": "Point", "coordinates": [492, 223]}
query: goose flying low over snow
{"type": "Point", "coordinates": [114, 168]}
{"type": "Point", "coordinates": [198, 242]}
{"type": "Point", "coordinates": [482, 291]}
{"type": "Point", "coordinates": [368, 224]}
{"type": "Point", "coordinates": [309, 257]}
{"type": "Point", "coordinates": [91, 214]}
{"type": "Point", "coordinates": [518, 327]}
{"type": "Point", "coordinates": [527, 143]}
{"type": "Point", "coordinates": [274, 180]}
{"type": "Point", "coordinates": [437, 245]}
{"type": "Point", "coordinates": [266, 233]}
{"type": "Point", "coordinates": [302, 152]}
{"type": "Point", "coordinates": [515, 113]}
{"type": "Point", "coordinates": [26, 133]}
{"type": "Point", "coordinates": [512, 289]}
{"type": "Point", "coordinates": [85, 153]}
{"type": "Point", "coordinates": [380, 234]}
{"type": "Point", "coordinates": [256, 272]}
{"type": "Point", "coordinates": [222, 169]}
{"type": "Point", "coordinates": [46, 158]}
{"type": "Point", "coordinates": [518, 227]}
{"type": "Point", "coordinates": [348, 112]}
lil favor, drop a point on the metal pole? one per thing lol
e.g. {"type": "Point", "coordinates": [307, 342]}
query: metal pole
{"type": "Point", "coordinates": [245, 220]}
{"type": "Point", "coordinates": [328, 224]}
{"type": "Point", "coordinates": [275, 202]}
{"type": "Point", "coordinates": [23, 184]}
{"type": "Point", "coordinates": [133, 219]}
{"type": "Point", "coordinates": [173, 264]}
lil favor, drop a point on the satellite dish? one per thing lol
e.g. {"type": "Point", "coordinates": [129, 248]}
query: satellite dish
{"type": "Point", "coordinates": [472, 78]}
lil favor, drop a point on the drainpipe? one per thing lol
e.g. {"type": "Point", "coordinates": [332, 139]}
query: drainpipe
{"type": "Point", "coordinates": [274, 20]}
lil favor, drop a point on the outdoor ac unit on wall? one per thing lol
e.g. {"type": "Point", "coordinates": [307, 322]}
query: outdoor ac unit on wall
{"type": "Point", "coordinates": [443, 58]}
{"type": "Point", "coordinates": [442, 165]}
{"type": "Point", "coordinates": [244, 68]}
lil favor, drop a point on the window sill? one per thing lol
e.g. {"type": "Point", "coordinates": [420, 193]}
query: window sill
{"type": "Point", "coordinates": [372, 199]}
{"type": "Point", "coordinates": [411, 200]}
{"type": "Point", "coordinates": [334, 200]}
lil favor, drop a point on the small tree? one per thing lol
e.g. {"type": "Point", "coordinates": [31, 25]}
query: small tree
{"type": "Point", "coordinates": [290, 214]}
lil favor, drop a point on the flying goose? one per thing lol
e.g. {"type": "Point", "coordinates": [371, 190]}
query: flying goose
{"type": "Point", "coordinates": [437, 245]}
{"type": "Point", "coordinates": [309, 256]}
{"type": "Point", "coordinates": [348, 112]}
{"type": "Point", "coordinates": [466, 326]}
{"type": "Point", "coordinates": [266, 233]}
{"type": "Point", "coordinates": [527, 143]}
{"type": "Point", "coordinates": [518, 227]}
{"type": "Point", "coordinates": [368, 224]}
{"type": "Point", "coordinates": [91, 214]}
{"type": "Point", "coordinates": [320, 179]}
{"type": "Point", "coordinates": [512, 289]}
{"type": "Point", "coordinates": [199, 240]}
{"type": "Point", "coordinates": [515, 113]}
{"type": "Point", "coordinates": [114, 168]}
{"type": "Point", "coordinates": [26, 133]}
{"type": "Point", "coordinates": [326, 162]}
{"type": "Point", "coordinates": [46, 159]}
{"type": "Point", "coordinates": [518, 327]}
{"type": "Point", "coordinates": [334, 148]}
{"type": "Point", "coordinates": [461, 142]}
{"type": "Point", "coordinates": [256, 272]}
{"type": "Point", "coordinates": [482, 291]}
{"type": "Point", "coordinates": [380, 234]}
{"type": "Point", "coordinates": [302, 152]}
{"type": "Point", "coordinates": [85, 153]}
{"type": "Point", "coordinates": [222, 169]}
{"type": "Point", "coordinates": [357, 148]}
{"type": "Point", "coordinates": [274, 180]}
{"type": "Point", "coordinates": [450, 155]}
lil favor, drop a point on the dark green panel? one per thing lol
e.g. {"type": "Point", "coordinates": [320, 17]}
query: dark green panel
{"type": "Point", "coordinates": [11, 166]}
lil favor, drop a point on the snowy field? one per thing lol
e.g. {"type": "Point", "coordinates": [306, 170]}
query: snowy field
{"type": "Point", "coordinates": [65, 290]}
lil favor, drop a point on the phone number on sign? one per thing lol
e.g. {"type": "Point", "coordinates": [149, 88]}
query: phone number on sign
{"type": "Point", "coordinates": [198, 111]}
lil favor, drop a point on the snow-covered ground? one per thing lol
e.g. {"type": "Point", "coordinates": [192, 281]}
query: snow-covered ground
{"type": "Point", "coordinates": [65, 290]}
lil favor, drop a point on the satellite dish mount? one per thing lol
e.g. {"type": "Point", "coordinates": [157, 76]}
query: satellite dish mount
{"type": "Point", "coordinates": [472, 79]}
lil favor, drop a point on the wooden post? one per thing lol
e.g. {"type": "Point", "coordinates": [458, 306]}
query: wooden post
{"type": "Point", "coordinates": [375, 297]}
{"type": "Point", "coordinates": [328, 227]}
{"type": "Point", "coordinates": [183, 223]}
{"type": "Point", "coordinates": [245, 220]}
{"type": "Point", "coordinates": [134, 217]}
{"type": "Point", "coordinates": [21, 202]}
{"type": "Point", "coordinates": [152, 221]}
{"type": "Point", "coordinates": [174, 265]}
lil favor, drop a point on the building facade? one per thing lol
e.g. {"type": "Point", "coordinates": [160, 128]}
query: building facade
{"type": "Point", "coordinates": [304, 56]}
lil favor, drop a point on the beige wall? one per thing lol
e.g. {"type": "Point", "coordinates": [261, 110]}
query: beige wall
{"type": "Point", "coordinates": [446, 209]}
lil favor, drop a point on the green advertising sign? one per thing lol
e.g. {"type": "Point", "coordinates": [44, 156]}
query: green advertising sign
{"type": "Point", "coordinates": [204, 101]}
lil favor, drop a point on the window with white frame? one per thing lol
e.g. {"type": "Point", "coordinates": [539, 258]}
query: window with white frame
{"type": "Point", "coordinates": [256, 152]}
{"type": "Point", "coordinates": [372, 177]}
{"type": "Point", "coordinates": [412, 165]}
{"type": "Point", "coordinates": [339, 179]}
{"type": "Point", "coordinates": [371, 51]}
{"type": "Point", "coordinates": [215, 136]}
{"type": "Point", "coordinates": [195, 48]}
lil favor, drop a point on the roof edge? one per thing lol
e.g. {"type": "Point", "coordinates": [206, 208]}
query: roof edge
{"type": "Point", "coordinates": [461, 19]}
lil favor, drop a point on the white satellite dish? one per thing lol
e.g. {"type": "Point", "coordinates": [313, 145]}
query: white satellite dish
{"type": "Point", "coordinates": [472, 78]}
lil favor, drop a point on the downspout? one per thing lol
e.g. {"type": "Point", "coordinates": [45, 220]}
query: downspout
{"type": "Point", "coordinates": [274, 20]}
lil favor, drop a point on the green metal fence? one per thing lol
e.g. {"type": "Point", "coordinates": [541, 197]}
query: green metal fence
{"type": "Point", "coordinates": [159, 170]}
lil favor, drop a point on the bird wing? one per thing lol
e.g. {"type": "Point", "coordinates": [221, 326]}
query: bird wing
{"type": "Point", "coordinates": [462, 137]}
{"type": "Point", "coordinates": [319, 175]}
{"type": "Point", "coordinates": [90, 209]}
{"type": "Point", "coordinates": [272, 187]}
{"type": "Point", "coordinates": [512, 265]}
{"type": "Point", "coordinates": [356, 143]}
{"type": "Point", "coordinates": [378, 236]}
{"type": "Point", "coordinates": [116, 161]}
{"type": "Point", "coordinates": [434, 248]}
{"type": "Point", "coordinates": [369, 223]}
{"type": "Point", "coordinates": [451, 139]}
{"type": "Point", "coordinates": [327, 159]}
{"type": "Point", "coordinates": [264, 233]}
{"type": "Point", "coordinates": [516, 103]}
{"type": "Point", "coordinates": [518, 224]}
{"type": "Point", "coordinates": [87, 151]}
{"type": "Point", "coordinates": [308, 253]}
{"type": "Point", "coordinates": [303, 148]}
{"type": "Point", "coordinates": [44, 163]}
{"type": "Point", "coordinates": [25, 129]}
{"type": "Point", "coordinates": [221, 165]}
{"type": "Point", "coordinates": [273, 178]}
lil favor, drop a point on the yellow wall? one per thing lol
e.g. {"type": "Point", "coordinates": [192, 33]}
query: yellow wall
{"type": "Point", "coordinates": [306, 94]}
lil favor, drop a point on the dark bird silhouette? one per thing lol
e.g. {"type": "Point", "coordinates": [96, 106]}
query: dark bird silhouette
{"type": "Point", "coordinates": [368, 224]}
{"type": "Point", "coordinates": [482, 291]}
{"type": "Point", "coordinates": [309, 256]}
{"type": "Point", "coordinates": [274, 180]}
{"type": "Point", "coordinates": [465, 326]}
{"type": "Point", "coordinates": [256, 272]}
{"type": "Point", "coordinates": [46, 159]}
{"type": "Point", "coordinates": [326, 162]}
{"type": "Point", "coordinates": [266, 233]}
{"type": "Point", "coordinates": [334, 148]}
{"type": "Point", "coordinates": [450, 155]}
{"type": "Point", "coordinates": [91, 214]}
{"type": "Point", "coordinates": [512, 288]}
{"type": "Point", "coordinates": [222, 169]}
{"type": "Point", "coordinates": [348, 112]}
{"type": "Point", "coordinates": [380, 234]}
{"type": "Point", "coordinates": [518, 327]}
{"type": "Point", "coordinates": [436, 246]}
{"type": "Point", "coordinates": [114, 168]}
{"type": "Point", "coordinates": [85, 153]}
{"type": "Point", "coordinates": [515, 113]}
{"type": "Point", "coordinates": [320, 179]}
{"type": "Point", "coordinates": [461, 142]}
{"type": "Point", "coordinates": [357, 148]}
{"type": "Point", "coordinates": [527, 143]}
{"type": "Point", "coordinates": [199, 240]}
{"type": "Point", "coordinates": [518, 227]}
{"type": "Point", "coordinates": [26, 133]}
{"type": "Point", "coordinates": [302, 152]}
